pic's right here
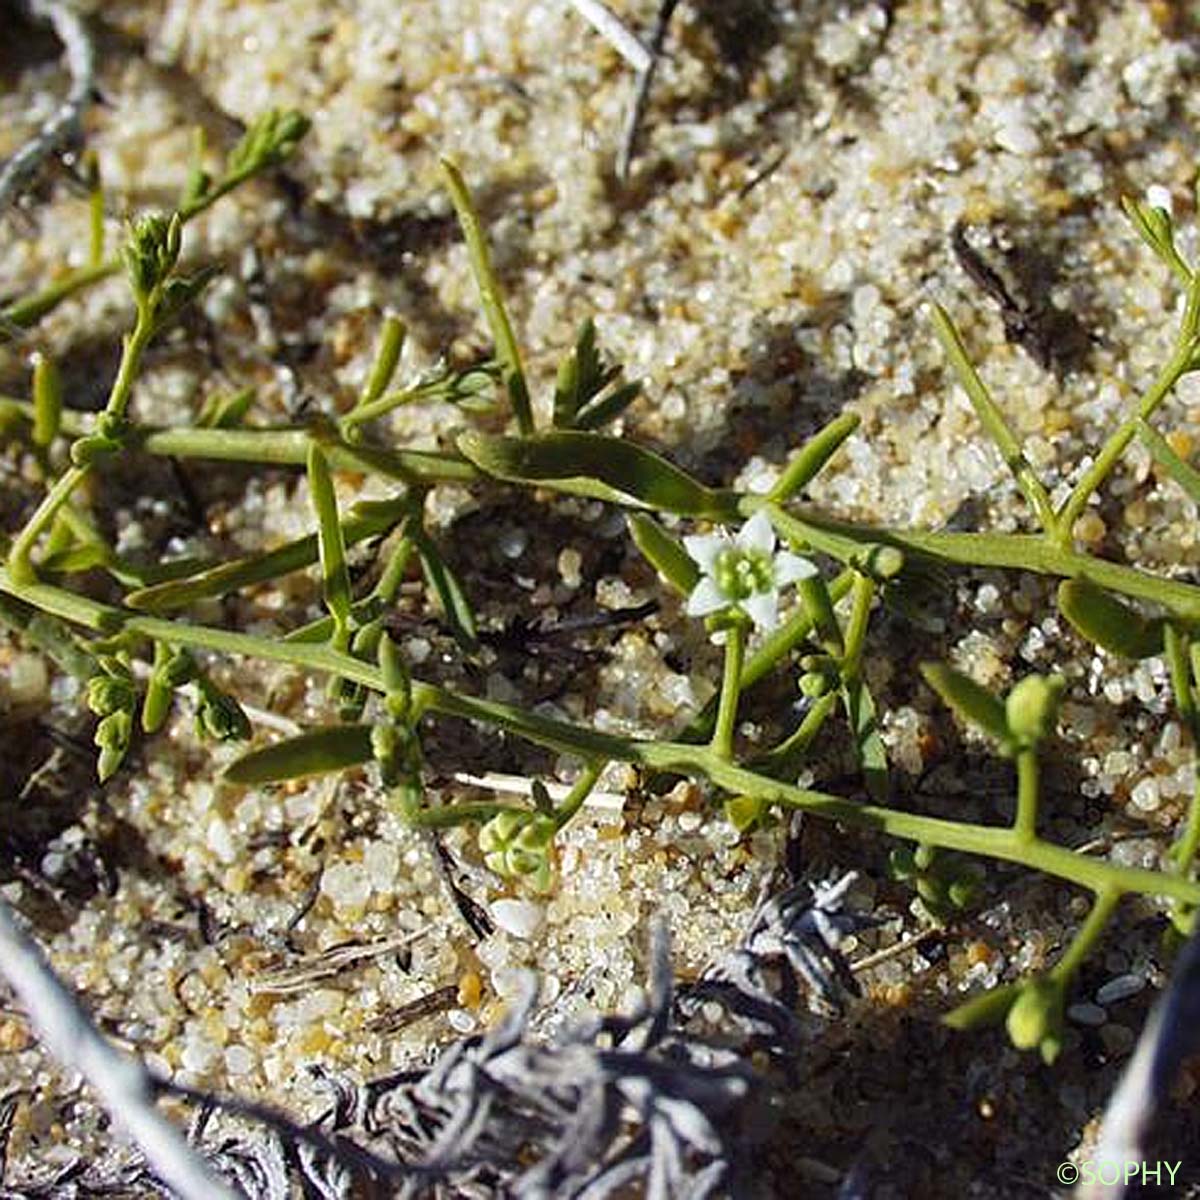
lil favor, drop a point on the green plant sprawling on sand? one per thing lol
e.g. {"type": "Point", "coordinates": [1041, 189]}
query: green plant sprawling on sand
{"type": "Point", "coordinates": [746, 551]}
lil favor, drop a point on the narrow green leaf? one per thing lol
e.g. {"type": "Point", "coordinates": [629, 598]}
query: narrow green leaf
{"type": "Point", "coordinates": [225, 410]}
{"type": "Point", "coordinates": [333, 748]}
{"type": "Point", "coordinates": [1186, 476]}
{"type": "Point", "coordinates": [455, 606]}
{"type": "Point", "coordinates": [992, 419]}
{"type": "Point", "coordinates": [363, 520]}
{"type": "Point", "coordinates": [591, 464]}
{"type": "Point", "coordinates": [1108, 622]}
{"type": "Point", "coordinates": [47, 400]}
{"type": "Point", "coordinates": [604, 409]}
{"type": "Point", "coordinates": [664, 553]}
{"type": "Point", "coordinates": [1177, 648]}
{"type": "Point", "coordinates": [334, 573]}
{"type": "Point", "coordinates": [490, 296]}
{"type": "Point", "coordinates": [387, 355]}
{"type": "Point", "coordinates": [971, 702]}
{"type": "Point", "coordinates": [818, 605]}
{"type": "Point", "coordinates": [1155, 228]}
{"type": "Point", "coordinates": [869, 749]}
{"type": "Point", "coordinates": [812, 456]}
{"type": "Point", "coordinates": [989, 1008]}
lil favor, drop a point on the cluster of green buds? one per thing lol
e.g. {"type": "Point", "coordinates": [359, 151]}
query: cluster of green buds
{"type": "Point", "coordinates": [517, 845]}
{"type": "Point", "coordinates": [394, 742]}
{"type": "Point", "coordinates": [112, 696]}
{"type": "Point", "coordinates": [945, 884]}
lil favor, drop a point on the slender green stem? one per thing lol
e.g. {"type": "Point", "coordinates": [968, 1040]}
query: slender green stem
{"type": "Point", "coordinates": [589, 744]}
{"type": "Point", "coordinates": [785, 758]}
{"type": "Point", "coordinates": [573, 801]}
{"type": "Point", "coordinates": [731, 690]}
{"type": "Point", "coordinates": [20, 555]}
{"type": "Point", "coordinates": [1025, 824]}
{"type": "Point", "coordinates": [1105, 904]}
{"type": "Point", "coordinates": [1022, 552]}
{"type": "Point", "coordinates": [21, 314]}
{"type": "Point", "coordinates": [1180, 362]}
{"type": "Point", "coordinates": [855, 636]}
{"type": "Point", "coordinates": [993, 421]}
{"type": "Point", "coordinates": [450, 815]}
{"type": "Point", "coordinates": [507, 353]}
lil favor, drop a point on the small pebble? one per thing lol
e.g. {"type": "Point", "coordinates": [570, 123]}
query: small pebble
{"type": "Point", "coordinates": [1087, 1014]}
{"type": "Point", "coordinates": [1120, 988]}
{"type": "Point", "coordinates": [460, 1020]}
{"type": "Point", "coordinates": [521, 918]}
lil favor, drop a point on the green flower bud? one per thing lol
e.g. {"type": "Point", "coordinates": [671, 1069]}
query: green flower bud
{"type": "Point", "coordinates": [988, 1009]}
{"type": "Point", "coordinates": [1031, 709]}
{"type": "Point", "coordinates": [1036, 1017]}
{"type": "Point", "coordinates": [112, 738]}
{"type": "Point", "coordinates": [109, 694]}
{"type": "Point", "coordinates": [220, 716]}
{"type": "Point", "coordinates": [516, 845]}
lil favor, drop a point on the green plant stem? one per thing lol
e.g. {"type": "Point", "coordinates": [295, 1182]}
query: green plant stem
{"type": "Point", "coordinates": [507, 352]}
{"type": "Point", "coordinates": [855, 635]}
{"type": "Point", "coordinates": [1103, 907]}
{"type": "Point", "coordinates": [731, 689]}
{"type": "Point", "coordinates": [785, 758]}
{"type": "Point", "coordinates": [993, 421]}
{"type": "Point", "coordinates": [1182, 668]}
{"type": "Point", "coordinates": [21, 314]}
{"type": "Point", "coordinates": [1180, 362]}
{"type": "Point", "coordinates": [573, 801]}
{"type": "Point", "coordinates": [20, 554]}
{"type": "Point", "coordinates": [450, 815]}
{"type": "Point", "coordinates": [591, 745]}
{"type": "Point", "coordinates": [1022, 552]}
{"type": "Point", "coordinates": [1025, 824]}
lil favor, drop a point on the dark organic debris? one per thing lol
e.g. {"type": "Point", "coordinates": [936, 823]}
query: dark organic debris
{"type": "Point", "coordinates": [610, 1102]}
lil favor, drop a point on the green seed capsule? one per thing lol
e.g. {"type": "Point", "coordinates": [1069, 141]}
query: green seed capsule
{"type": "Point", "coordinates": [1032, 707]}
{"type": "Point", "coordinates": [1108, 622]}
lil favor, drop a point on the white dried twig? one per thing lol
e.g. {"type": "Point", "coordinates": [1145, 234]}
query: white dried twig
{"type": "Point", "coordinates": [58, 132]}
{"type": "Point", "coordinates": [125, 1087]}
{"type": "Point", "coordinates": [641, 95]}
{"type": "Point", "coordinates": [1171, 1035]}
{"type": "Point", "coordinates": [608, 25]}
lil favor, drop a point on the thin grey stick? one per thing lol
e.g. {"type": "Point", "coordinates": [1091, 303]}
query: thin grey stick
{"type": "Point", "coordinates": [64, 126]}
{"type": "Point", "coordinates": [642, 93]}
{"type": "Point", "coordinates": [124, 1086]}
{"type": "Point", "coordinates": [608, 25]}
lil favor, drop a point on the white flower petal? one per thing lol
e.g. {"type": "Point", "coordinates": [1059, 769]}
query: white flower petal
{"type": "Point", "coordinates": [706, 598]}
{"type": "Point", "coordinates": [789, 567]}
{"type": "Point", "coordinates": [757, 534]}
{"type": "Point", "coordinates": [1158, 196]}
{"type": "Point", "coordinates": [703, 549]}
{"type": "Point", "coordinates": [763, 608]}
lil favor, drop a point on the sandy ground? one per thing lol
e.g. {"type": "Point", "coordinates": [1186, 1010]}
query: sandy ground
{"type": "Point", "coordinates": [788, 215]}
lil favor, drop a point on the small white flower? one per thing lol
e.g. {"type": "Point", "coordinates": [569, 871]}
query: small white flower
{"type": "Point", "coordinates": [1158, 196]}
{"type": "Point", "coordinates": [744, 571]}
